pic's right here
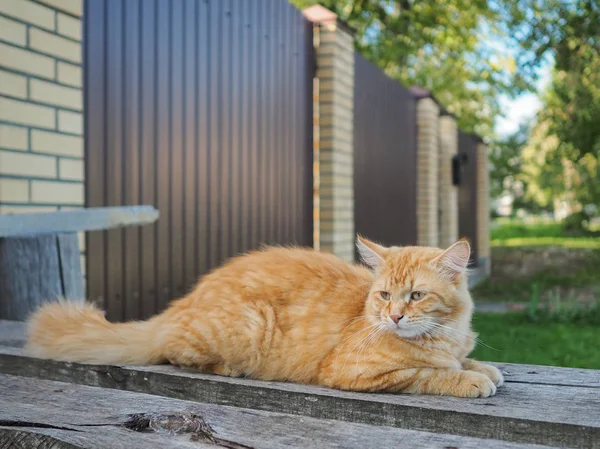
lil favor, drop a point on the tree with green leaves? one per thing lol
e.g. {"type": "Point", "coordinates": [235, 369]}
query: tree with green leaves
{"type": "Point", "coordinates": [444, 46]}
{"type": "Point", "coordinates": [506, 162]}
{"type": "Point", "coordinates": [568, 31]}
{"type": "Point", "coordinates": [468, 53]}
{"type": "Point", "coordinates": [564, 149]}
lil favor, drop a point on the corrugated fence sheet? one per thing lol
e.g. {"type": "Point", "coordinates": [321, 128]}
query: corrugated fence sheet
{"type": "Point", "coordinates": [204, 110]}
{"type": "Point", "coordinates": [385, 157]}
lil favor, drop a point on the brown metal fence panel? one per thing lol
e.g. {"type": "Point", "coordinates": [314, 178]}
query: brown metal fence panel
{"type": "Point", "coordinates": [204, 110]}
{"type": "Point", "coordinates": [467, 191]}
{"type": "Point", "coordinates": [385, 158]}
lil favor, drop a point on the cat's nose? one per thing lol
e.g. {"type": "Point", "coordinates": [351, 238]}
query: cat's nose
{"type": "Point", "coordinates": [396, 318]}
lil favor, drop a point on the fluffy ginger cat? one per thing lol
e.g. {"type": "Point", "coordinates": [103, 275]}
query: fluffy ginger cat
{"type": "Point", "coordinates": [290, 314]}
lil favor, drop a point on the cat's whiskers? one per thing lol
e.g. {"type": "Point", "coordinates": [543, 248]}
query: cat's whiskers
{"type": "Point", "coordinates": [372, 329]}
{"type": "Point", "coordinates": [374, 336]}
{"type": "Point", "coordinates": [355, 320]}
{"type": "Point", "coordinates": [368, 341]}
{"type": "Point", "coordinates": [477, 340]}
{"type": "Point", "coordinates": [455, 336]}
{"type": "Point", "coordinates": [345, 341]}
{"type": "Point", "coordinates": [362, 329]}
{"type": "Point", "coordinates": [424, 326]}
{"type": "Point", "coordinates": [466, 335]}
{"type": "Point", "coordinates": [431, 325]}
{"type": "Point", "coordinates": [425, 331]}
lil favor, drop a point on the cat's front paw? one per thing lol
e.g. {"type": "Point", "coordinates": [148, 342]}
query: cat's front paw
{"type": "Point", "coordinates": [474, 385]}
{"type": "Point", "coordinates": [494, 374]}
{"type": "Point", "coordinates": [490, 371]}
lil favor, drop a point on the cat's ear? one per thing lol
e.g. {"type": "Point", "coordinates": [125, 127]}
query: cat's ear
{"type": "Point", "coordinates": [454, 260]}
{"type": "Point", "coordinates": [371, 253]}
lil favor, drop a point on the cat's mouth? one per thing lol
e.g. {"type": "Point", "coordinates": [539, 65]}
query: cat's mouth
{"type": "Point", "coordinates": [404, 328]}
{"type": "Point", "coordinates": [409, 332]}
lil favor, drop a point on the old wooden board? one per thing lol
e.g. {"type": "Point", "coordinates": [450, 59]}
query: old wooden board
{"type": "Point", "coordinates": [12, 333]}
{"type": "Point", "coordinates": [550, 375]}
{"type": "Point", "coordinates": [91, 219]}
{"type": "Point", "coordinates": [562, 416]}
{"type": "Point", "coordinates": [90, 417]}
{"type": "Point", "coordinates": [37, 269]}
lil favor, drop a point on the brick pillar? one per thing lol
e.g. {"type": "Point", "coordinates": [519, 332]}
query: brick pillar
{"type": "Point", "coordinates": [334, 139]}
{"type": "Point", "coordinates": [448, 193]}
{"type": "Point", "coordinates": [41, 106]}
{"type": "Point", "coordinates": [427, 172]}
{"type": "Point", "coordinates": [483, 207]}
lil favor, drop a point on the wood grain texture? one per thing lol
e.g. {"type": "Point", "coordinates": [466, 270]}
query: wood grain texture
{"type": "Point", "coordinates": [70, 264]}
{"type": "Point", "coordinates": [91, 219]}
{"type": "Point", "coordinates": [38, 269]}
{"type": "Point", "coordinates": [76, 416]}
{"type": "Point", "coordinates": [550, 375]}
{"type": "Point", "coordinates": [12, 333]}
{"type": "Point", "coordinates": [564, 416]}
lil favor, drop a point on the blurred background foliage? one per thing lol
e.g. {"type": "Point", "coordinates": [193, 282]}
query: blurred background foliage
{"type": "Point", "coordinates": [479, 57]}
{"type": "Point", "coordinates": [471, 53]}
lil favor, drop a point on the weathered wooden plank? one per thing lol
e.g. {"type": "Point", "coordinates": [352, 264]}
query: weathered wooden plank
{"type": "Point", "coordinates": [66, 407]}
{"type": "Point", "coordinates": [15, 437]}
{"type": "Point", "coordinates": [12, 333]}
{"type": "Point", "coordinates": [37, 269]}
{"type": "Point", "coordinates": [564, 416]}
{"type": "Point", "coordinates": [92, 219]}
{"type": "Point", "coordinates": [550, 375]}
{"type": "Point", "coordinates": [70, 263]}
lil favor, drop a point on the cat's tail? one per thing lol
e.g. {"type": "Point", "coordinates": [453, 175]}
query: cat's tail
{"type": "Point", "coordinates": [78, 332]}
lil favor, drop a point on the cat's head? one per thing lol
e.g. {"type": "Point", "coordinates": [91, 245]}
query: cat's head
{"type": "Point", "coordinates": [417, 291]}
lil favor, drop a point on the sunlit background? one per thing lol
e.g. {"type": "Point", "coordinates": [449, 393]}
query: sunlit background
{"type": "Point", "coordinates": [525, 75]}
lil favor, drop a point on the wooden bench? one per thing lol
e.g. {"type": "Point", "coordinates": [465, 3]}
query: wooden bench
{"type": "Point", "coordinates": [46, 403]}
{"type": "Point", "coordinates": [40, 256]}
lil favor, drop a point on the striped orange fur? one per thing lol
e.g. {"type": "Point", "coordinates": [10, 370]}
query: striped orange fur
{"type": "Point", "coordinates": [290, 314]}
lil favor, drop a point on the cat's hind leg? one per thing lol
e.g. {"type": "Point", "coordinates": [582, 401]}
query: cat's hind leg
{"type": "Point", "coordinates": [190, 351]}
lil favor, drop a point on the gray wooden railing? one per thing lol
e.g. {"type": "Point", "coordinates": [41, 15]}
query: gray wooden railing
{"type": "Point", "coordinates": [39, 254]}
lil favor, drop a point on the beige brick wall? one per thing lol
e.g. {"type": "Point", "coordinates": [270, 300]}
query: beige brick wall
{"type": "Point", "coordinates": [427, 172]}
{"type": "Point", "coordinates": [448, 193]}
{"type": "Point", "coordinates": [334, 141]}
{"type": "Point", "coordinates": [41, 106]}
{"type": "Point", "coordinates": [483, 207]}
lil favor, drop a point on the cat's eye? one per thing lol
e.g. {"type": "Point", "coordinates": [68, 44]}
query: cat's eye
{"type": "Point", "coordinates": [385, 296]}
{"type": "Point", "coordinates": [416, 296]}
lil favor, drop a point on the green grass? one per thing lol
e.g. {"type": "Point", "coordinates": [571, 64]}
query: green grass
{"type": "Point", "coordinates": [565, 242]}
{"type": "Point", "coordinates": [516, 338]}
{"type": "Point", "coordinates": [542, 265]}
{"type": "Point", "coordinates": [508, 230]}
{"type": "Point", "coordinates": [514, 234]}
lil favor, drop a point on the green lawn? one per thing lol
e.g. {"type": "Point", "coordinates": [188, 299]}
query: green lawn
{"type": "Point", "coordinates": [516, 339]}
{"type": "Point", "coordinates": [542, 264]}
{"type": "Point", "coordinates": [512, 234]}
{"type": "Point", "coordinates": [565, 242]}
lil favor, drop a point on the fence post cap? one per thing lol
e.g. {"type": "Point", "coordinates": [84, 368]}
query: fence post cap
{"type": "Point", "coordinates": [320, 15]}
